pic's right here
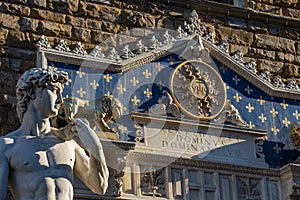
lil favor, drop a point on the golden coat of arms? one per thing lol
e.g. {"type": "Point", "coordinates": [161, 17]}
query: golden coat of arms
{"type": "Point", "coordinates": [198, 90]}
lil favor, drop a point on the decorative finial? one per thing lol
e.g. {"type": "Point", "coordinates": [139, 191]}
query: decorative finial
{"type": "Point", "coordinates": [79, 49]}
{"type": "Point", "coordinates": [113, 54]}
{"type": "Point", "coordinates": [62, 46]}
{"type": "Point", "coordinates": [251, 66]}
{"type": "Point", "coordinates": [97, 52]}
{"type": "Point", "coordinates": [127, 53]}
{"type": "Point", "coordinates": [43, 43]}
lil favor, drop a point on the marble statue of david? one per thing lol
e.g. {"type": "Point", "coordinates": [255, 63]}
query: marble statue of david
{"type": "Point", "coordinates": [37, 163]}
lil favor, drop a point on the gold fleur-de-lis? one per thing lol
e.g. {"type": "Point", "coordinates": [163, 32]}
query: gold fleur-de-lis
{"type": "Point", "coordinates": [296, 114]}
{"type": "Point", "coordinates": [223, 69]}
{"type": "Point", "coordinates": [107, 77]}
{"type": "Point", "coordinates": [121, 89]}
{"type": "Point", "coordinates": [273, 112]}
{"type": "Point", "coordinates": [80, 73]}
{"type": "Point", "coordinates": [284, 105]}
{"type": "Point", "coordinates": [248, 90]}
{"type": "Point", "coordinates": [261, 100]}
{"type": "Point", "coordinates": [135, 100]}
{"type": "Point", "coordinates": [236, 79]}
{"type": "Point", "coordinates": [147, 74]}
{"type": "Point", "coordinates": [134, 81]}
{"type": "Point", "coordinates": [262, 118]}
{"type": "Point", "coordinates": [275, 129]}
{"type": "Point", "coordinates": [251, 125]}
{"type": "Point", "coordinates": [69, 81]}
{"type": "Point", "coordinates": [249, 107]}
{"type": "Point", "coordinates": [148, 93]}
{"type": "Point", "coordinates": [81, 92]}
{"type": "Point", "coordinates": [277, 148]}
{"type": "Point", "coordinates": [94, 84]}
{"type": "Point", "coordinates": [122, 128]}
{"type": "Point", "coordinates": [286, 122]}
{"type": "Point", "coordinates": [237, 97]}
{"type": "Point", "coordinates": [159, 67]}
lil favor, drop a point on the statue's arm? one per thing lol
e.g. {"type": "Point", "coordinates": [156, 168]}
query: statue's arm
{"type": "Point", "coordinates": [91, 169]}
{"type": "Point", "coordinates": [4, 171]}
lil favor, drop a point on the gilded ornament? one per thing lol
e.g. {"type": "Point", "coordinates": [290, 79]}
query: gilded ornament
{"type": "Point", "coordinates": [198, 90]}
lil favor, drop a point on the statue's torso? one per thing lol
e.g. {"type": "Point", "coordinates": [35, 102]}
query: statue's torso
{"type": "Point", "coordinates": [41, 168]}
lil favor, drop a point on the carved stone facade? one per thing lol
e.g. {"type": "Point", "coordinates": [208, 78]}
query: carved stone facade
{"type": "Point", "coordinates": [162, 151]}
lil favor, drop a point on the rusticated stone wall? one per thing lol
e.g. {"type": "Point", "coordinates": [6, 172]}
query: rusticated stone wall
{"type": "Point", "coordinates": [268, 37]}
{"type": "Point", "coordinates": [289, 8]}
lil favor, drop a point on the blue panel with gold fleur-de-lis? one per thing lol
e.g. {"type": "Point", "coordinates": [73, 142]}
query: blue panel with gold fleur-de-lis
{"type": "Point", "coordinates": [138, 89]}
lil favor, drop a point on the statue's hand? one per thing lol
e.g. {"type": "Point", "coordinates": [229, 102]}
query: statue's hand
{"type": "Point", "coordinates": [65, 133]}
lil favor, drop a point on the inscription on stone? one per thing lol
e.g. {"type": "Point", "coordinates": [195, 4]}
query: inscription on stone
{"type": "Point", "coordinates": [196, 143]}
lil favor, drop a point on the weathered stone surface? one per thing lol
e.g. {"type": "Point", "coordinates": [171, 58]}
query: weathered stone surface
{"type": "Point", "coordinates": [48, 15]}
{"type": "Point", "coordinates": [234, 36]}
{"type": "Point", "coordinates": [274, 43]}
{"type": "Point", "coordinates": [286, 2]}
{"type": "Point", "coordinates": [290, 33]}
{"type": "Point", "coordinates": [293, 13]}
{"type": "Point", "coordinates": [257, 27]}
{"type": "Point", "coordinates": [93, 24]}
{"type": "Point", "coordinates": [98, 37]}
{"type": "Point", "coordinates": [80, 34]}
{"type": "Point", "coordinates": [269, 8]}
{"type": "Point", "coordinates": [14, 9]}
{"type": "Point", "coordinates": [109, 14]}
{"type": "Point", "coordinates": [4, 63]}
{"type": "Point", "coordinates": [54, 29]}
{"type": "Point", "coordinates": [64, 6]}
{"type": "Point", "coordinates": [3, 35]}
{"type": "Point", "coordinates": [17, 53]}
{"type": "Point", "coordinates": [18, 39]}
{"type": "Point", "coordinates": [76, 21]}
{"type": "Point", "coordinates": [110, 27]}
{"type": "Point", "coordinates": [28, 24]}
{"type": "Point", "coordinates": [272, 66]}
{"type": "Point", "coordinates": [39, 3]}
{"type": "Point", "coordinates": [9, 21]}
{"type": "Point", "coordinates": [262, 53]}
{"type": "Point", "coordinates": [89, 10]}
{"type": "Point", "coordinates": [291, 70]}
{"type": "Point", "coordinates": [280, 56]}
{"type": "Point", "coordinates": [138, 19]}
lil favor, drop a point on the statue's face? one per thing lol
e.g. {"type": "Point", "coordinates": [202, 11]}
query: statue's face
{"type": "Point", "coordinates": [48, 100]}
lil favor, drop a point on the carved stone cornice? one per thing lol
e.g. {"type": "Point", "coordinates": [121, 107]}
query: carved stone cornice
{"type": "Point", "coordinates": [253, 78]}
{"type": "Point", "coordinates": [146, 118]}
{"type": "Point", "coordinates": [143, 157]}
{"type": "Point", "coordinates": [126, 146]}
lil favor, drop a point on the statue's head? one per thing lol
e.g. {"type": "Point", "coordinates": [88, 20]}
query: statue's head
{"type": "Point", "coordinates": [33, 79]}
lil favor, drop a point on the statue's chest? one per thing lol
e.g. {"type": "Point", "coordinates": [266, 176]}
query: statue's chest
{"type": "Point", "coordinates": [40, 153]}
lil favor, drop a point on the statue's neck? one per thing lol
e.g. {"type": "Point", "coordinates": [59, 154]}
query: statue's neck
{"type": "Point", "coordinates": [34, 124]}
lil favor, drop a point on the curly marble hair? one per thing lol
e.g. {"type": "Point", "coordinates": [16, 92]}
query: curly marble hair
{"type": "Point", "coordinates": [32, 79]}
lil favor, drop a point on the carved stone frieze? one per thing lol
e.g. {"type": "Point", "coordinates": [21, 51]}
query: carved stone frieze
{"type": "Point", "coordinates": [152, 181]}
{"type": "Point", "coordinates": [259, 148]}
{"type": "Point", "coordinates": [249, 188]}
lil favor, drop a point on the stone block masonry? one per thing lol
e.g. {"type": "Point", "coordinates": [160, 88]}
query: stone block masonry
{"type": "Point", "coordinates": [269, 35]}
